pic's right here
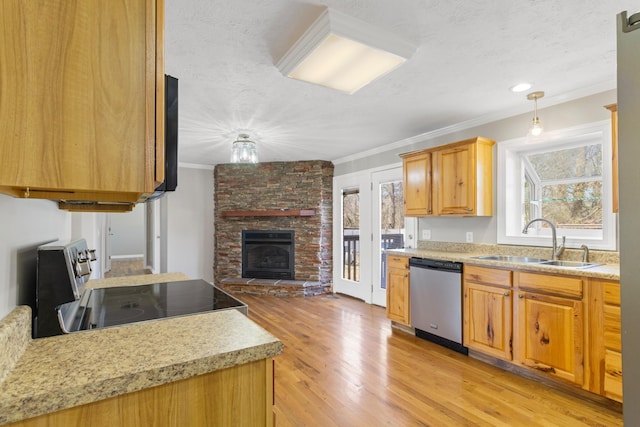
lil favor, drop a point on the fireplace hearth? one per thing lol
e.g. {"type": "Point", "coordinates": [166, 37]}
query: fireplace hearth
{"type": "Point", "coordinates": [268, 254]}
{"type": "Point", "coordinates": [273, 196]}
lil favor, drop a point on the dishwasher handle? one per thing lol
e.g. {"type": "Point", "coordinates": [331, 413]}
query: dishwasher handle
{"type": "Point", "coordinates": [435, 264]}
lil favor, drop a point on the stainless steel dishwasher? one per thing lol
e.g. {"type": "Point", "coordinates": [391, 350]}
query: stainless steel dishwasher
{"type": "Point", "coordinates": [436, 301]}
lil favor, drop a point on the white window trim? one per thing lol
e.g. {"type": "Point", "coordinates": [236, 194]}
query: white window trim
{"type": "Point", "coordinates": [509, 229]}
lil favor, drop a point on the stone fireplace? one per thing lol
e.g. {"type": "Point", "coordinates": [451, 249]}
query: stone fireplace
{"type": "Point", "coordinates": [273, 197]}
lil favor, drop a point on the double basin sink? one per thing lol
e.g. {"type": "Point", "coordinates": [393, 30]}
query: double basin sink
{"type": "Point", "coordinates": [542, 261]}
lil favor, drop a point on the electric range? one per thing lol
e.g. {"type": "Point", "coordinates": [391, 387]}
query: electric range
{"type": "Point", "coordinates": [113, 306]}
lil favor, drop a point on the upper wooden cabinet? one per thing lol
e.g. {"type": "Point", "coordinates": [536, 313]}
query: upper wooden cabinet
{"type": "Point", "coordinates": [82, 99]}
{"type": "Point", "coordinates": [454, 179]}
{"type": "Point", "coordinates": [614, 153]}
{"type": "Point", "coordinates": [417, 182]}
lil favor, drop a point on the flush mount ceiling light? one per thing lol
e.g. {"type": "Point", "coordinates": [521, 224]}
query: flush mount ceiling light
{"type": "Point", "coordinates": [343, 53]}
{"type": "Point", "coordinates": [244, 150]}
{"type": "Point", "coordinates": [536, 126]}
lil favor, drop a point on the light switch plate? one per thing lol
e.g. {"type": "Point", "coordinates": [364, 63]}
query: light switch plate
{"type": "Point", "coordinates": [469, 236]}
{"type": "Point", "coordinates": [426, 234]}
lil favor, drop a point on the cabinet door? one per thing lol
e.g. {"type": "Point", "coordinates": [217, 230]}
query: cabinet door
{"type": "Point", "coordinates": [454, 180]}
{"type": "Point", "coordinates": [78, 99]}
{"type": "Point", "coordinates": [398, 295]}
{"type": "Point", "coordinates": [487, 319]}
{"type": "Point", "coordinates": [549, 335]}
{"type": "Point", "coordinates": [417, 181]}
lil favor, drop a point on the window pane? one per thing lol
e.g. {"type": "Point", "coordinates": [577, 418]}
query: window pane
{"type": "Point", "coordinates": [579, 162]}
{"type": "Point", "coordinates": [351, 235]}
{"type": "Point", "coordinates": [391, 223]}
{"type": "Point", "coordinates": [577, 206]}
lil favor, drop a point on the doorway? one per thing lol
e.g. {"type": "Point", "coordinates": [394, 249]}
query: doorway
{"type": "Point", "coordinates": [368, 218]}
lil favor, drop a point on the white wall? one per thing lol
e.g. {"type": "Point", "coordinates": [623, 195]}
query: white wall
{"type": "Point", "coordinates": [573, 113]}
{"type": "Point", "coordinates": [188, 213]}
{"type": "Point", "coordinates": [24, 225]}
{"type": "Point", "coordinates": [128, 232]}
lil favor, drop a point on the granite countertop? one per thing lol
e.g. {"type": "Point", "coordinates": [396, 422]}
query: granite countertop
{"type": "Point", "coordinates": [606, 271]}
{"type": "Point", "coordinates": [49, 374]}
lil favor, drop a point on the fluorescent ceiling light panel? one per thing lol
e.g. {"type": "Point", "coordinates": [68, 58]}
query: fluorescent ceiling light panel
{"type": "Point", "coordinates": [343, 53]}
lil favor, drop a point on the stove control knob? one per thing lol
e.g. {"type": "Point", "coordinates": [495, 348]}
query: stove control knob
{"type": "Point", "coordinates": [92, 254]}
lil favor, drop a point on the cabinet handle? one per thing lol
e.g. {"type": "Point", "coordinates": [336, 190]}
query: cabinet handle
{"type": "Point", "coordinates": [506, 294]}
{"type": "Point", "coordinates": [520, 296]}
{"type": "Point", "coordinates": [469, 209]}
{"type": "Point", "coordinates": [406, 275]}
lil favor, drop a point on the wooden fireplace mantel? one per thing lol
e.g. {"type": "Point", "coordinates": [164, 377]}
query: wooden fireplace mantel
{"type": "Point", "coordinates": [273, 212]}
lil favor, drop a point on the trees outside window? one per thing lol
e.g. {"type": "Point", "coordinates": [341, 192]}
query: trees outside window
{"type": "Point", "coordinates": [561, 178]}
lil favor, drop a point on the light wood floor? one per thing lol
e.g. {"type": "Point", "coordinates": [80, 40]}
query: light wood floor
{"type": "Point", "coordinates": [343, 366]}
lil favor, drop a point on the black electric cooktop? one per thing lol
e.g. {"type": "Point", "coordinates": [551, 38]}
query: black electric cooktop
{"type": "Point", "coordinates": [104, 307]}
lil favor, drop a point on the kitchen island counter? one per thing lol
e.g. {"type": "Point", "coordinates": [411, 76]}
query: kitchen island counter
{"type": "Point", "coordinates": [51, 374]}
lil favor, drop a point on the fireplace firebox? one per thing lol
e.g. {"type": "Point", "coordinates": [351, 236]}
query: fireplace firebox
{"type": "Point", "coordinates": [268, 254]}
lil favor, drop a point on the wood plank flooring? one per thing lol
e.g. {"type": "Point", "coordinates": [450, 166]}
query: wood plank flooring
{"type": "Point", "coordinates": [344, 366]}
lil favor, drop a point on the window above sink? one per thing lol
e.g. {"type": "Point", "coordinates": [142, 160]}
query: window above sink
{"type": "Point", "coordinates": [564, 177]}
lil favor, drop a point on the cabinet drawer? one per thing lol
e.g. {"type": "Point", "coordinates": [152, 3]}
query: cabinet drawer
{"type": "Point", "coordinates": [490, 276]}
{"type": "Point", "coordinates": [612, 293]}
{"type": "Point", "coordinates": [557, 285]}
{"type": "Point", "coordinates": [612, 330]}
{"type": "Point", "coordinates": [613, 375]}
{"type": "Point", "coordinates": [394, 261]}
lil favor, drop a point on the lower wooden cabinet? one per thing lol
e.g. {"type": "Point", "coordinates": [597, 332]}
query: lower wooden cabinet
{"type": "Point", "coordinates": [549, 329]}
{"type": "Point", "coordinates": [487, 311]}
{"type": "Point", "coordinates": [549, 335]}
{"type": "Point", "coordinates": [398, 308]}
{"type": "Point", "coordinates": [605, 344]}
{"type": "Point", "coordinates": [241, 395]}
{"type": "Point", "coordinates": [565, 327]}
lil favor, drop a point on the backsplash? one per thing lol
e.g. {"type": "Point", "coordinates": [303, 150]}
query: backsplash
{"type": "Point", "coordinates": [606, 257]}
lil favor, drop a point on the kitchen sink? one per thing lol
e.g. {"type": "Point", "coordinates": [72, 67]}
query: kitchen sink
{"type": "Point", "coordinates": [571, 264]}
{"type": "Point", "coordinates": [507, 258]}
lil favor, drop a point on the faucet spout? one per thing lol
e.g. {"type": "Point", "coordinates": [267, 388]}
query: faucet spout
{"type": "Point", "coordinates": [556, 250]}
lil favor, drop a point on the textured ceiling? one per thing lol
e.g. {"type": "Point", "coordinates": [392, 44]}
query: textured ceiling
{"type": "Point", "coordinates": [469, 54]}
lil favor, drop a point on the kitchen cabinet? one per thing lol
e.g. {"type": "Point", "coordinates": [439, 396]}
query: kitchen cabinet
{"type": "Point", "coordinates": [487, 310]}
{"type": "Point", "coordinates": [605, 352]}
{"type": "Point", "coordinates": [549, 325]}
{"type": "Point", "coordinates": [417, 184]}
{"type": "Point", "coordinates": [614, 153]}
{"type": "Point", "coordinates": [240, 396]}
{"type": "Point", "coordinates": [455, 179]}
{"type": "Point", "coordinates": [398, 308]}
{"type": "Point", "coordinates": [82, 100]}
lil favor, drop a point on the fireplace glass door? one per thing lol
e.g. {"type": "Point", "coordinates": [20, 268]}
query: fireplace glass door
{"type": "Point", "coordinates": [268, 254]}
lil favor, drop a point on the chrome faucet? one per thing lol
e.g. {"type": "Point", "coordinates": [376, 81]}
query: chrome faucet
{"type": "Point", "coordinates": [557, 250]}
{"type": "Point", "coordinates": [585, 253]}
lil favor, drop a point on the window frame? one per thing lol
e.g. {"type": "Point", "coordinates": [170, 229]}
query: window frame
{"type": "Point", "coordinates": [511, 173]}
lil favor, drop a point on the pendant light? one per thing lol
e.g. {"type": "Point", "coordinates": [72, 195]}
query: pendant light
{"type": "Point", "coordinates": [244, 150]}
{"type": "Point", "coordinates": [536, 126]}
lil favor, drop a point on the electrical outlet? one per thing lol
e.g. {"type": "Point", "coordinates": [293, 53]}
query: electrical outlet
{"type": "Point", "coordinates": [426, 234]}
{"type": "Point", "coordinates": [469, 236]}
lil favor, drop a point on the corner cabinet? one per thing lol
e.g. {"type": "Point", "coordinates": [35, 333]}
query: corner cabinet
{"type": "Point", "coordinates": [82, 100]}
{"type": "Point", "coordinates": [451, 180]}
{"type": "Point", "coordinates": [487, 310]}
{"type": "Point", "coordinates": [398, 308]}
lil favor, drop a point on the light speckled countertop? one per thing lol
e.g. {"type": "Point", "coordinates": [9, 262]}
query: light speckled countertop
{"type": "Point", "coordinates": [607, 271]}
{"type": "Point", "coordinates": [55, 373]}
